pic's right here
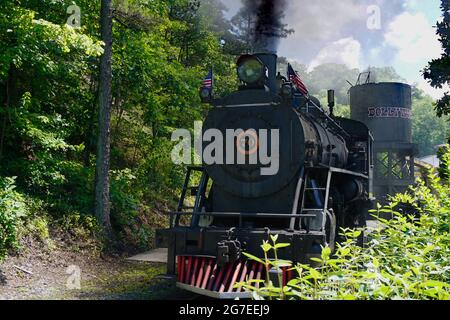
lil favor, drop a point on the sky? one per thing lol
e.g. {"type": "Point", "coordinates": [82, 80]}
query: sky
{"type": "Point", "coordinates": [363, 33]}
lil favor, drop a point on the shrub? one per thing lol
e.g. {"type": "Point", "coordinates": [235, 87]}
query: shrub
{"type": "Point", "coordinates": [124, 197]}
{"type": "Point", "coordinates": [405, 258]}
{"type": "Point", "coordinates": [127, 215]}
{"type": "Point", "coordinates": [39, 228]}
{"type": "Point", "coordinates": [12, 208]}
{"type": "Point", "coordinates": [80, 226]}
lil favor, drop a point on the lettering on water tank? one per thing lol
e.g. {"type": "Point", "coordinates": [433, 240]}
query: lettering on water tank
{"type": "Point", "coordinates": [392, 112]}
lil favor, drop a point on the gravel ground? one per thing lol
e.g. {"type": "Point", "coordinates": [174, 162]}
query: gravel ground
{"type": "Point", "coordinates": [61, 274]}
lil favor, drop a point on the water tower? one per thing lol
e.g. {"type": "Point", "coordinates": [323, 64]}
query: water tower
{"type": "Point", "coordinates": [386, 108]}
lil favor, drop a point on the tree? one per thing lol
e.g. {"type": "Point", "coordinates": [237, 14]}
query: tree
{"type": "Point", "coordinates": [49, 104]}
{"type": "Point", "coordinates": [428, 129]}
{"type": "Point", "coordinates": [438, 70]}
{"type": "Point", "coordinates": [213, 16]}
{"type": "Point", "coordinates": [45, 74]}
{"type": "Point", "coordinates": [102, 196]}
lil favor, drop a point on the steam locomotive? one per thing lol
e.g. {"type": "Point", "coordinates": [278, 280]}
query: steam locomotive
{"type": "Point", "coordinates": [322, 182]}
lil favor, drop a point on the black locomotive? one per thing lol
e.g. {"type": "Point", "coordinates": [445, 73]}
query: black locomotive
{"type": "Point", "coordinates": [319, 180]}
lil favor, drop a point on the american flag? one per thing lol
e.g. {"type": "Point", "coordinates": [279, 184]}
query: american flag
{"type": "Point", "coordinates": [208, 82]}
{"type": "Point", "coordinates": [295, 79]}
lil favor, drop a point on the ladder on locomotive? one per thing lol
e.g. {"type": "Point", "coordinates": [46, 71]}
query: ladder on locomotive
{"type": "Point", "coordinates": [197, 191]}
{"type": "Point", "coordinates": [319, 195]}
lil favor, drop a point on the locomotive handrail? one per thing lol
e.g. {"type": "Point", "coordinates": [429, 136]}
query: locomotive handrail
{"type": "Point", "coordinates": [236, 214]}
{"type": "Point", "coordinates": [348, 172]}
{"type": "Point", "coordinates": [239, 215]}
{"type": "Point", "coordinates": [328, 118]}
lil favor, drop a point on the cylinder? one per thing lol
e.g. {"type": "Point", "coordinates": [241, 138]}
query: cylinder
{"type": "Point", "coordinates": [386, 108]}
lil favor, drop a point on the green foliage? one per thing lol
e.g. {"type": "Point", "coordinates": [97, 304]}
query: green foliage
{"type": "Point", "coordinates": [444, 167]}
{"type": "Point", "coordinates": [48, 104]}
{"type": "Point", "coordinates": [438, 70]}
{"type": "Point", "coordinates": [12, 208]}
{"type": "Point", "coordinates": [39, 227]}
{"type": "Point", "coordinates": [124, 199]}
{"type": "Point", "coordinates": [81, 227]}
{"type": "Point", "coordinates": [36, 224]}
{"type": "Point", "coordinates": [402, 261]}
{"type": "Point", "coordinates": [428, 129]}
{"type": "Point", "coordinates": [404, 258]}
{"type": "Point", "coordinates": [135, 220]}
{"type": "Point", "coordinates": [44, 85]}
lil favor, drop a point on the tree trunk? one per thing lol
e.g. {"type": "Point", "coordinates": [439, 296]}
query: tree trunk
{"type": "Point", "coordinates": [11, 98]}
{"type": "Point", "coordinates": [102, 197]}
{"type": "Point", "coordinates": [90, 135]}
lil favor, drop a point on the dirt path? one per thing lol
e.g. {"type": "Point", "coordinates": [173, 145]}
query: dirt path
{"type": "Point", "coordinates": [66, 274]}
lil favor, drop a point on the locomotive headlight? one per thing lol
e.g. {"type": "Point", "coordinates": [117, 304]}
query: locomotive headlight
{"type": "Point", "coordinates": [250, 69]}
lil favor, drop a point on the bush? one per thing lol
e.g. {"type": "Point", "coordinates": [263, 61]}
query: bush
{"type": "Point", "coordinates": [12, 208]}
{"type": "Point", "coordinates": [127, 215]}
{"type": "Point", "coordinates": [405, 258]}
{"type": "Point", "coordinates": [39, 228]}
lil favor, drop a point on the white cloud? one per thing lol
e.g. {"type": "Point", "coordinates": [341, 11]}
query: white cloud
{"type": "Point", "coordinates": [344, 51]}
{"type": "Point", "coordinates": [415, 41]}
{"type": "Point", "coordinates": [413, 37]}
{"type": "Point", "coordinates": [433, 92]}
{"type": "Point", "coordinates": [323, 20]}
{"type": "Point", "coordinates": [411, 4]}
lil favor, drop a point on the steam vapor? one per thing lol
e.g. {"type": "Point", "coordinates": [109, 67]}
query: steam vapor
{"type": "Point", "coordinates": [317, 24]}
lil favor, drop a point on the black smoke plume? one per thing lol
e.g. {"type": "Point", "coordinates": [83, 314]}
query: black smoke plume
{"type": "Point", "coordinates": [268, 26]}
